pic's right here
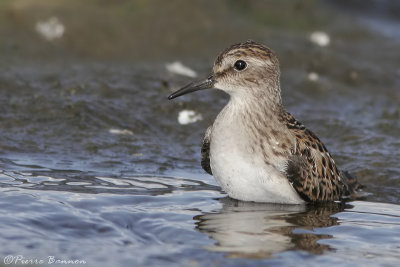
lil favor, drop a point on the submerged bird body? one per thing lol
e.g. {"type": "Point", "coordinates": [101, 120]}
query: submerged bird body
{"type": "Point", "coordinates": [255, 149]}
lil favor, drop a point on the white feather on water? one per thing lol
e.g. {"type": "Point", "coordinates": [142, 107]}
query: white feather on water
{"type": "Point", "coordinates": [120, 131]}
{"type": "Point", "coordinates": [178, 68]}
{"type": "Point", "coordinates": [188, 116]}
{"type": "Point", "coordinates": [50, 29]}
{"type": "Point", "coordinates": [320, 38]}
{"type": "Point", "coordinates": [313, 76]}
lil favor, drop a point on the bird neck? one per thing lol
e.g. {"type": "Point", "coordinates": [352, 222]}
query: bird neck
{"type": "Point", "coordinates": [264, 102]}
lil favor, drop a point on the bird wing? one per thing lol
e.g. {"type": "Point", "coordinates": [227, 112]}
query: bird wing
{"type": "Point", "coordinates": [205, 151]}
{"type": "Point", "coordinates": [311, 169]}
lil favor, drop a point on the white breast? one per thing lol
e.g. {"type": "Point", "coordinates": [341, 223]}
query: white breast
{"type": "Point", "coordinates": [241, 172]}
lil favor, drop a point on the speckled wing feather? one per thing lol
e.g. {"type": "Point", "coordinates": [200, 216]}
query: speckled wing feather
{"type": "Point", "coordinates": [311, 169]}
{"type": "Point", "coordinates": [205, 151]}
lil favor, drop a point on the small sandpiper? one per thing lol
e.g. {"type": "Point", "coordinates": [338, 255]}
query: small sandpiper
{"type": "Point", "coordinates": [255, 149]}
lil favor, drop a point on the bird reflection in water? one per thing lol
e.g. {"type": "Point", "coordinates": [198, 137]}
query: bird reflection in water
{"type": "Point", "coordinates": [258, 230]}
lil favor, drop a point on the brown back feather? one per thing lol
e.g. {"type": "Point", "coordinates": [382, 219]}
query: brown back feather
{"type": "Point", "coordinates": [311, 169]}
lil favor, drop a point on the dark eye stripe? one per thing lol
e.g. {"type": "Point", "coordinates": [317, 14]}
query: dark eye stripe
{"type": "Point", "coordinates": [223, 73]}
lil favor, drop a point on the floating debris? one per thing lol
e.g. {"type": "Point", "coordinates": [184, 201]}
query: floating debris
{"type": "Point", "coordinates": [320, 38]}
{"type": "Point", "coordinates": [121, 132]}
{"type": "Point", "coordinates": [50, 29]}
{"type": "Point", "coordinates": [188, 116]}
{"type": "Point", "coordinates": [178, 68]}
{"type": "Point", "coordinates": [313, 76]}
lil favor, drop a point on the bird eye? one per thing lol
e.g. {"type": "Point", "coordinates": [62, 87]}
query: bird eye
{"type": "Point", "coordinates": [240, 65]}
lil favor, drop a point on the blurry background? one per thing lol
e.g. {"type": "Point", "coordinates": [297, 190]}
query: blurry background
{"type": "Point", "coordinates": [97, 164]}
{"type": "Point", "coordinates": [83, 84]}
{"type": "Point", "coordinates": [157, 30]}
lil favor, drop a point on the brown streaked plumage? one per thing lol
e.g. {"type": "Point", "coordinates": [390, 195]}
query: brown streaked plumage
{"type": "Point", "coordinates": [312, 170]}
{"type": "Point", "coordinates": [255, 149]}
{"type": "Point", "coordinates": [205, 152]}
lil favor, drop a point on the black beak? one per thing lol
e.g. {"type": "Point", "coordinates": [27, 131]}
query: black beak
{"type": "Point", "coordinates": [194, 86]}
